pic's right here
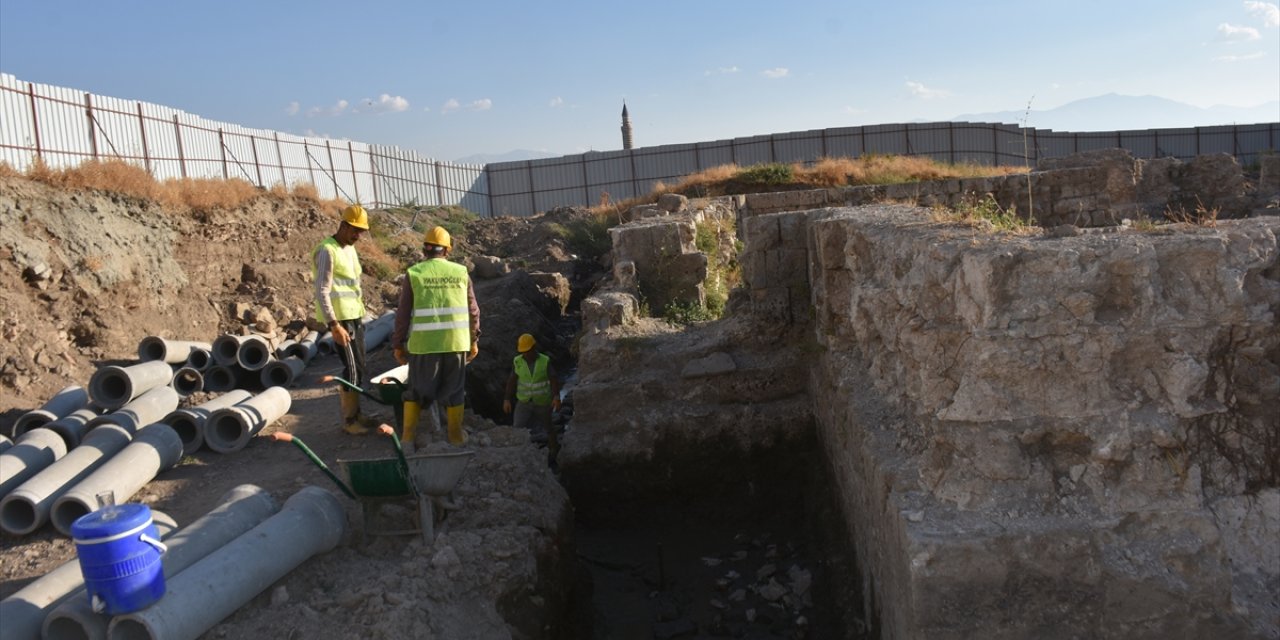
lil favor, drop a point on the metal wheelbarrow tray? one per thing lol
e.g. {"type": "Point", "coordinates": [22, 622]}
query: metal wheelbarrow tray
{"type": "Point", "coordinates": [427, 478]}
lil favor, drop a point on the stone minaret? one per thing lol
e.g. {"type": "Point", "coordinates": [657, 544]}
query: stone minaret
{"type": "Point", "coordinates": [626, 127]}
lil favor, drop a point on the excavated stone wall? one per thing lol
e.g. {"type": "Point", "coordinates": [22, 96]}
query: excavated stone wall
{"type": "Point", "coordinates": [1042, 436]}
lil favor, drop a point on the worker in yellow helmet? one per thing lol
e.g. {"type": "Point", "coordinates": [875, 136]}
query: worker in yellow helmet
{"type": "Point", "coordinates": [339, 305]}
{"type": "Point", "coordinates": [436, 333]}
{"type": "Point", "coordinates": [534, 390]}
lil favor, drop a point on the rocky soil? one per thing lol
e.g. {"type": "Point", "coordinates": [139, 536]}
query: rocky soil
{"type": "Point", "coordinates": [89, 274]}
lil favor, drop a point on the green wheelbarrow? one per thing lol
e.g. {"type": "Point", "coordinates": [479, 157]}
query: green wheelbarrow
{"type": "Point", "coordinates": [387, 388]}
{"type": "Point", "coordinates": [427, 479]}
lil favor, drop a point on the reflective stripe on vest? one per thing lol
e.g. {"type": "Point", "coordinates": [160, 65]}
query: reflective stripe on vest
{"type": "Point", "coordinates": [532, 386]}
{"type": "Point", "coordinates": [345, 294]}
{"type": "Point", "coordinates": [441, 323]}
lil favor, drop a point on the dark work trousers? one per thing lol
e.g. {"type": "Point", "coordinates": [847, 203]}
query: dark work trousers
{"type": "Point", "coordinates": [356, 372]}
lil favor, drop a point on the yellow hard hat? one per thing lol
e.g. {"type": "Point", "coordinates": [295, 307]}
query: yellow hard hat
{"type": "Point", "coordinates": [525, 343]}
{"type": "Point", "coordinates": [356, 216]}
{"type": "Point", "coordinates": [440, 237]}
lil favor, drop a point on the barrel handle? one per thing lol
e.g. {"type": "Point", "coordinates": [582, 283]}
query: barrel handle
{"type": "Point", "coordinates": [156, 544]}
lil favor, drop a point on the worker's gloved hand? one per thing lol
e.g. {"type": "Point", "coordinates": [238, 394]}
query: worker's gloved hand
{"type": "Point", "coordinates": [401, 356]}
{"type": "Point", "coordinates": [506, 406]}
{"type": "Point", "coordinates": [475, 351]}
{"type": "Point", "coordinates": [340, 335]}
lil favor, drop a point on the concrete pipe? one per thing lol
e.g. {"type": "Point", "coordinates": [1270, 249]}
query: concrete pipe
{"type": "Point", "coordinates": [26, 508]}
{"type": "Point", "coordinates": [306, 347]}
{"type": "Point", "coordinates": [5, 443]}
{"type": "Point", "coordinates": [230, 429]}
{"type": "Point", "coordinates": [189, 422]}
{"type": "Point", "coordinates": [187, 381]}
{"type": "Point", "coordinates": [311, 522]}
{"type": "Point", "coordinates": [254, 353]}
{"type": "Point", "coordinates": [170, 351]}
{"type": "Point", "coordinates": [220, 378]}
{"type": "Point", "coordinates": [282, 373]}
{"type": "Point", "coordinates": [23, 612]}
{"type": "Point", "coordinates": [226, 349]}
{"type": "Point", "coordinates": [113, 387]}
{"type": "Point", "coordinates": [72, 427]}
{"type": "Point", "coordinates": [144, 410]}
{"type": "Point", "coordinates": [154, 449]}
{"type": "Point", "coordinates": [200, 359]}
{"type": "Point", "coordinates": [325, 346]}
{"type": "Point", "coordinates": [378, 331]}
{"type": "Point", "coordinates": [240, 510]}
{"type": "Point", "coordinates": [35, 450]}
{"type": "Point", "coordinates": [68, 400]}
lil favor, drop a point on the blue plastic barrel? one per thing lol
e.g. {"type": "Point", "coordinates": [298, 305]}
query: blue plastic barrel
{"type": "Point", "coordinates": [119, 550]}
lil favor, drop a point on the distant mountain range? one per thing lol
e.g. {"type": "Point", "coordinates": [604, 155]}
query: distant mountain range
{"type": "Point", "coordinates": [1114, 112]}
{"type": "Point", "coordinates": [510, 156]}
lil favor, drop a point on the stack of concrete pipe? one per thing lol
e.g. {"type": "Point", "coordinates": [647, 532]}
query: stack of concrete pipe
{"type": "Point", "coordinates": [153, 449]}
{"type": "Point", "coordinates": [65, 402]}
{"type": "Point", "coordinates": [57, 602]}
{"type": "Point", "coordinates": [230, 428]}
{"type": "Point", "coordinates": [304, 348]}
{"type": "Point", "coordinates": [27, 507]}
{"type": "Point", "coordinates": [34, 451]}
{"type": "Point", "coordinates": [312, 521]}
{"type": "Point", "coordinates": [189, 423]}
{"type": "Point", "coordinates": [23, 613]}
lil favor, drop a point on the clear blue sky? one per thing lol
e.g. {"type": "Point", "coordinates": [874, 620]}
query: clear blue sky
{"type": "Point", "coordinates": [452, 79]}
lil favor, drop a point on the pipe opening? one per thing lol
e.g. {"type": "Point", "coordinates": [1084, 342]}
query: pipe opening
{"type": "Point", "coordinates": [219, 379]}
{"type": "Point", "coordinates": [113, 387]}
{"type": "Point", "coordinates": [63, 628]}
{"type": "Point", "coordinates": [226, 349]}
{"type": "Point", "coordinates": [17, 516]}
{"type": "Point", "coordinates": [185, 426]}
{"type": "Point", "coordinates": [187, 381]}
{"type": "Point", "coordinates": [66, 512]}
{"type": "Point", "coordinates": [199, 359]}
{"type": "Point", "coordinates": [152, 348]}
{"type": "Point", "coordinates": [127, 629]}
{"type": "Point", "coordinates": [254, 355]}
{"type": "Point", "coordinates": [224, 430]}
{"type": "Point", "coordinates": [276, 375]}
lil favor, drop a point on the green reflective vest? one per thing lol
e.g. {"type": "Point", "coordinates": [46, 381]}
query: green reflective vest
{"type": "Point", "coordinates": [345, 296]}
{"type": "Point", "coordinates": [440, 322]}
{"type": "Point", "coordinates": [532, 386]}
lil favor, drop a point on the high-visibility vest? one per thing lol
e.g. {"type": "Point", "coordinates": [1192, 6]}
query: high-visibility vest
{"type": "Point", "coordinates": [345, 295]}
{"type": "Point", "coordinates": [440, 322]}
{"type": "Point", "coordinates": [532, 386]}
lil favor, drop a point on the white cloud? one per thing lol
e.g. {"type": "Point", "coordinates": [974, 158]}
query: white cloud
{"type": "Point", "coordinates": [1269, 12]}
{"type": "Point", "coordinates": [450, 105]}
{"type": "Point", "coordinates": [721, 71]}
{"type": "Point", "coordinates": [293, 108]}
{"type": "Point", "coordinates": [925, 93]}
{"type": "Point", "coordinates": [483, 104]}
{"type": "Point", "coordinates": [1248, 56]}
{"type": "Point", "coordinates": [775, 73]}
{"type": "Point", "coordinates": [1232, 33]}
{"type": "Point", "coordinates": [337, 109]}
{"type": "Point", "coordinates": [386, 103]}
{"type": "Point", "coordinates": [557, 102]}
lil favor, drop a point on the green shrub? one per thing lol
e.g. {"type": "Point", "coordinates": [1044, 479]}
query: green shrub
{"type": "Point", "coordinates": [767, 174]}
{"type": "Point", "coordinates": [684, 313]}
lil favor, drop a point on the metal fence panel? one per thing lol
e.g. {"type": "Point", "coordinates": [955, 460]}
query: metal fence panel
{"type": "Point", "coordinates": [752, 151]}
{"type": "Point", "coordinates": [801, 146]}
{"type": "Point", "coordinates": [667, 163]}
{"type": "Point", "coordinates": [715, 154]}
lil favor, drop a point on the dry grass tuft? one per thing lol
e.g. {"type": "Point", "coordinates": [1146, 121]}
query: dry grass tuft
{"type": "Point", "coordinates": [207, 194]}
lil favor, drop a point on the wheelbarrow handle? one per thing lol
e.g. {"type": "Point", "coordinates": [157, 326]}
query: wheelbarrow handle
{"type": "Point", "coordinates": [388, 430]}
{"type": "Point", "coordinates": [352, 386]}
{"type": "Point", "coordinates": [297, 442]}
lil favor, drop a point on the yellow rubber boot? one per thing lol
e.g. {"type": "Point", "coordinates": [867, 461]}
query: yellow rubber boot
{"type": "Point", "coordinates": [411, 412]}
{"type": "Point", "coordinates": [351, 413]}
{"type": "Point", "coordinates": [457, 437]}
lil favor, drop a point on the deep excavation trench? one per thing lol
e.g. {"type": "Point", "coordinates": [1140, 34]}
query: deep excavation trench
{"type": "Point", "coordinates": [712, 542]}
{"type": "Point", "coordinates": [706, 540]}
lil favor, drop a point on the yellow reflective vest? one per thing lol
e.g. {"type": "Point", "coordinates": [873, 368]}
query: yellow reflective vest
{"type": "Point", "coordinates": [345, 296]}
{"type": "Point", "coordinates": [532, 386]}
{"type": "Point", "coordinates": [440, 323]}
